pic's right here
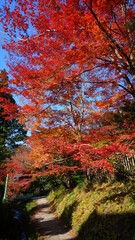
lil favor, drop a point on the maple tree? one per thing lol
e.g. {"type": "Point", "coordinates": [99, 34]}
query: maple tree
{"type": "Point", "coordinates": [101, 40]}
{"type": "Point", "coordinates": [61, 41]}
{"type": "Point", "coordinates": [73, 63]}
{"type": "Point", "coordinates": [19, 171]}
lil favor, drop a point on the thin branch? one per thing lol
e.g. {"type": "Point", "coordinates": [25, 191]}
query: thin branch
{"type": "Point", "coordinates": [118, 24]}
{"type": "Point", "coordinates": [127, 90]}
{"type": "Point", "coordinates": [109, 35]}
{"type": "Point", "coordinates": [87, 70]}
{"type": "Point", "coordinates": [109, 28]}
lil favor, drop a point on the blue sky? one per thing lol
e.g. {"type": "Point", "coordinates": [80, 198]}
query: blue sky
{"type": "Point", "coordinates": [3, 54]}
{"type": "Point", "coordinates": [3, 57]}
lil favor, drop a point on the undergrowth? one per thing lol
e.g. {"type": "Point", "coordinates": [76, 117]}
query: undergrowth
{"type": "Point", "coordinates": [105, 212]}
{"type": "Point", "coordinates": [16, 221]}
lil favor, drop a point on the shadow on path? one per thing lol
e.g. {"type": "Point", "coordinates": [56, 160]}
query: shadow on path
{"type": "Point", "coordinates": [48, 225]}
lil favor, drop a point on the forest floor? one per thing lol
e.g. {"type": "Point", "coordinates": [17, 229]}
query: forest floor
{"type": "Point", "coordinates": [49, 227]}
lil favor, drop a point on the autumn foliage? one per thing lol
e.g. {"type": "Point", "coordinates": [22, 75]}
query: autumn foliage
{"type": "Point", "coordinates": [73, 64]}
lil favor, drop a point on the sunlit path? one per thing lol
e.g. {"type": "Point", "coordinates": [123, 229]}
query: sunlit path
{"type": "Point", "coordinates": [48, 225]}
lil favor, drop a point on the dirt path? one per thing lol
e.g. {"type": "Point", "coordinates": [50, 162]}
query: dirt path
{"type": "Point", "coordinates": [48, 225]}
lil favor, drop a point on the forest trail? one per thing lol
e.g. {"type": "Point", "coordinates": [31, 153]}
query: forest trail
{"type": "Point", "coordinates": [47, 223]}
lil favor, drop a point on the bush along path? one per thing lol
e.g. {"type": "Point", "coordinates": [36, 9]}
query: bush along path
{"type": "Point", "coordinates": [47, 223]}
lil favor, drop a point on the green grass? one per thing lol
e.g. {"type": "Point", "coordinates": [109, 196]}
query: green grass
{"type": "Point", "coordinates": [105, 212]}
{"type": "Point", "coordinates": [29, 210]}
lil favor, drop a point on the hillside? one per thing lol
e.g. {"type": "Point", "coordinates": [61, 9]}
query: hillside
{"type": "Point", "coordinates": [106, 211]}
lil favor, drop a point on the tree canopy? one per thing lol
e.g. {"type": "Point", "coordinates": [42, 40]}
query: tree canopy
{"type": "Point", "coordinates": [73, 63]}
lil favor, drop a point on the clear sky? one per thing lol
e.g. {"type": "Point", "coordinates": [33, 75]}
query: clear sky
{"type": "Point", "coordinates": [3, 57]}
{"type": "Point", "coordinates": [3, 54]}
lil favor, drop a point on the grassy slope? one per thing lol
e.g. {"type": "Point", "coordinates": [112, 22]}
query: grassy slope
{"type": "Point", "coordinates": [107, 211]}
